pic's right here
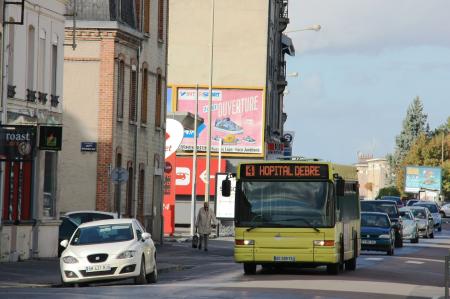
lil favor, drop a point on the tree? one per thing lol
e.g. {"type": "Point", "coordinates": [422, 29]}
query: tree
{"type": "Point", "coordinates": [414, 124]}
{"type": "Point", "coordinates": [388, 191]}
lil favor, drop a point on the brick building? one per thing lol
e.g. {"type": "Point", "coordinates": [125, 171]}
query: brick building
{"type": "Point", "coordinates": [114, 109]}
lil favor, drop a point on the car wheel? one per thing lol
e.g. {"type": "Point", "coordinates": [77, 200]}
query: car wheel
{"type": "Point", "coordinates": [65, 284]}
{"type": "Point", "coordinates": [350, 265]}
{"type": "Point", "coordinates": [390, 251]}
{"type": "Point", "coordinates": [398, 242]}
{"type": "Point", "coordinates": [141, 279]}
{"type": "Point", "coordinates": [432, 235]}
{"type": "Point", "coordinates": [333, 269]}
{"type": "Point", "coordinates": [153, 277]}
{"type": "Point", "coordinates": [249, 268]}
{"type": "Point", "coordinates": [442, 214]}
{"type": "Point", "coordinates": [416, 239]}
{"type": "Point", "coordinates": [440, 228]}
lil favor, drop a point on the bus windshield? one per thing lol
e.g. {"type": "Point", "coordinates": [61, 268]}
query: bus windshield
{"type": "Point", "coordinates": [285, 204]}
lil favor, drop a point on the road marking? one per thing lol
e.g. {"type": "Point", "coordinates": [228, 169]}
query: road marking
{"type": "Point", "coordinates": [374, 258]}
{"type": "Point", "coordinates": [414, 262]}
{"type": "Point", "coordinates": [419, 259]}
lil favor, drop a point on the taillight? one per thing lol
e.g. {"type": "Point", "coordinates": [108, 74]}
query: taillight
{"type": "Point", "coordinates": [244, 242]}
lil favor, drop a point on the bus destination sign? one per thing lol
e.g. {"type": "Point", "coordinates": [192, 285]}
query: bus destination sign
{"type": "Point", "coordinates": [284, 171]}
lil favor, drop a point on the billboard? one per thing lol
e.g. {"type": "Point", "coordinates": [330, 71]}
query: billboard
{"type": "Point", "coordinates": [422, 178]}
{"type": "Point", "coordinates": [225, 205]}
{"type": "Point", "coordinates": [237, 120]}
{"type": "Point", "coordinates": [184, 179]}
{"type": "Point", "coordinates": [17, 143]}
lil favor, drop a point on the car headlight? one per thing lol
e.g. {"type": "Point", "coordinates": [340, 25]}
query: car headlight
{"type": "Point", "coordinates": [127, 254]}
{"type": "Point", "coordinates": [385, 236]}
{"type": "Point", "coordinates": [69, 260]}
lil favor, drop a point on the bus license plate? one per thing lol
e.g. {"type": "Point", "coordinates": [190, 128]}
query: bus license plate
{"type": "Point", "coordinates": [98, 268]}
{"type": "Point", "coordinates": [284, 258]}
{"type": "Point", "coordinates": [368, 242]}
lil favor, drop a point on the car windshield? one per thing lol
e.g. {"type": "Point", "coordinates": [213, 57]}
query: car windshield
{"type": "Point", "coordinates": [285, 203]}
{"type": "Point", "coordinates": [432, 208]}
{"type": "Point", "coordinates": [419, 213]}
{"type": "Point", "coordinates": [103, 234]}
{"type": "Point", "coordinates": [374, 220]}
{"type": "Point", "coordinates": [406, 215]}
{"type": "Point", "coordinates": [382, 207]}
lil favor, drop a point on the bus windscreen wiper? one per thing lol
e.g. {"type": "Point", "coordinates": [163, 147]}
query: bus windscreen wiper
{"type": "Point", "coordinates": [305, 221]}
{"type": "Point", "coordinates": [263, 224]}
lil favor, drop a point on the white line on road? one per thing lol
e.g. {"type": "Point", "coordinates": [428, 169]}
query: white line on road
{"type": "Point", "coordinates": [374, 258]}
{"type": "Point", "coordinates": [414, 262]}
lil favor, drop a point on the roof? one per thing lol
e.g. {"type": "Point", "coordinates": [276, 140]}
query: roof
{"type": "Point", "coordinates": [108, 221]}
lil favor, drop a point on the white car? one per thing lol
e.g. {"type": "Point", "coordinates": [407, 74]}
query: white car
{"type": "Point", "coordinates": [108, 250]}
{"type": "Point", "coordinates": [445, 210]}
{"type": "Point", "coordinates": [410, 225]}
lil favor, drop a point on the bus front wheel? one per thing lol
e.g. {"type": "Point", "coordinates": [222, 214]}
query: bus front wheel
{"type": "Point", "coordinates": [333, 269]}
{"type": "Point", "coordinates": [249, 269]}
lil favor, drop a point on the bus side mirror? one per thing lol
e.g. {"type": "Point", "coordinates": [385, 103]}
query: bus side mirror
{"type": "Point", "coordinates": [226, 187]}
{"type": "Point", "coordinates": [340, 186]}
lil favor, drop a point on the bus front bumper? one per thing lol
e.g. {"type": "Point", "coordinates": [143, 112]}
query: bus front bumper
{"type": "Point", "coordinates": [285, 255]}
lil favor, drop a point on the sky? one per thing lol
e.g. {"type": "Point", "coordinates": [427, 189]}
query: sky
{"type": "Point", "coordinates": [361, 71]}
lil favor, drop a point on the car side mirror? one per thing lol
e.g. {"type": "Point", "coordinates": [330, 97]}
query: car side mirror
{"type": "Point", "coordinates": [64, 243]}
{"type": "Point", "coordinates": [226, 187]}
{"type": "Point", "coordinates": [146, 236]}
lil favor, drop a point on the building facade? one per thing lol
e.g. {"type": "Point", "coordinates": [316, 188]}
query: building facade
{"type": "Point", "coordinates": [248, 79]}
{"type": "Point", "coordinates": [32, 66]}
{"type": "Point", "coordinates": [372, 176]}
{"type": "Point", "coordinates": [114, 110]}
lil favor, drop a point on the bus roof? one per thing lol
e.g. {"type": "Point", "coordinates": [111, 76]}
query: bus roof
{"type": "Point", "coordinates": [347, 172]}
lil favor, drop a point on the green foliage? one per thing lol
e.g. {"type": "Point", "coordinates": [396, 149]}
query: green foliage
{"type": "Point", "coordinates": [427, 151]}
{"type": "Point", "coordinates": [388, 191]}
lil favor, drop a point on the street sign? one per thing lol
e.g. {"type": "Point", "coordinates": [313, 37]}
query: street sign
{"type": "Point", "coordinates": [119, 175]}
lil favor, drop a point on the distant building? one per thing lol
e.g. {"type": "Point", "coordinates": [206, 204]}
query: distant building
{"type": "Point", "coordinates": [372, 176]}
{"type": "Point", "coordinates": [115, 90]}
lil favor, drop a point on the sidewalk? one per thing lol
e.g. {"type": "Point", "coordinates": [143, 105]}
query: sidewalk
{"type": "Point", "coordinates": [45, 272]}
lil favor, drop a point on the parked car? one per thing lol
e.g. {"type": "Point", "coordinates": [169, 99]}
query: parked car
{"type": "Point", "coordinates": [71, 220]}
{"type": "Point", "coordinates": [66, 229]}
{"type": "Point", "coordinates": [109, 250]}
{"type": "Point", "coordinates": [424, 220]}
{"type": "Point", "coordinates": [434, 210]}
{"type": "Point", "coordinates": [410, 226]}
{"type": "Point", "coordinates": [377, 232]}
{"type": "Point", "coordinates": [397, 200]}
{"type": "Point", "coordinates": [445, 210]}
{"type": "Point", "coordinates": [86, 216]}
{"type": "Point", "coordinates": [411, 202]}
{"type": "Point", "coordinates": [389, 207]}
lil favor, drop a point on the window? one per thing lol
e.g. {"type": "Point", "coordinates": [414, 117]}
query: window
{"type": "Point", "coordinates": [160, 19]}
{"type": "Point", "coordinates": [30, 58]}
{"type": "Point", "coordinates": [50, 183]}
{"type": "Point", "coordinates": [41, 66]}
{"type": "Point", "coordinates": [120, 89]}
{"type": "Point", "coordinates": [144, 97]}
{"type": "Point", "coordinates": [158, 100]}
{"type": "Point", "coordinates": [133, 87]}
{"type": "Point", "coordinates": [54, 68]}
{"type": "Point", "coordinates": [117, 187]}
{"type": "Point", "coordinates": [146, 16]}
{"type": "Point", "coordinates": [11, 53]}
{"type": "Point", "coordinates": [141, 190]}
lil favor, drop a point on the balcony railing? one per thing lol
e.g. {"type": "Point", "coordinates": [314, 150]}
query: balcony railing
{"type": "Point", "coordinates": [11, 91]}
{"type": "Point", "coordinates": [42, 97]}
{"type": "Point", "coordinates": [284, 15]}
{"type": "Point", "coordinates": [281, 82]}
{"type": "Point", "coordinates": [54, 100]}
{"type": "Point", "coordinates": [31, 95]}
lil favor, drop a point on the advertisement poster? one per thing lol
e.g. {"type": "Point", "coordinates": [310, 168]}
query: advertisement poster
{"type": "Point", "coordinates": [184, 175]}
{"type": "Point", "coordinates": [17, 143]}
{"type": "Point", "coordinates": [422, 178]}
{"type": "Point", "coordinates": [225, 205]}
{"type": "Point", "coordinates": [237, 119]}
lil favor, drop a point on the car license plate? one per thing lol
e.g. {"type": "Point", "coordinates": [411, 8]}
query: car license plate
{"type": "Point", "coordinates": [368, 242]}
{"type": "Point", "coordinates": [284, 258]}
{"type": "Point", "coordinates": [98, 268]}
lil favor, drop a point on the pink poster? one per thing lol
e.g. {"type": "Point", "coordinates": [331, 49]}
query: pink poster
{"type": "Point", "coordinates": [237, 119]}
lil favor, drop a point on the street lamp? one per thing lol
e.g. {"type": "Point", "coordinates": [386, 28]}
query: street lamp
{"type": "Point", "coordinates": [316, 27]}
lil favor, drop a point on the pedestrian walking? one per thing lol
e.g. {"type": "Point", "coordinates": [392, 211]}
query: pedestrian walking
{"type": "Point", "coordinates": [204, 224]}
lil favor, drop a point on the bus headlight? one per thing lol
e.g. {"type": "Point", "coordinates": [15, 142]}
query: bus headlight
{"type": "Point", "coordinates": [245, 242]}
{"type": "Point", "coordinates": [323, 242]}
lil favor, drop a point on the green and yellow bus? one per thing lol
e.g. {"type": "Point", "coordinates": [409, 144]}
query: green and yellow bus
{"type": "Point", "coordinates": [296, 212]}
